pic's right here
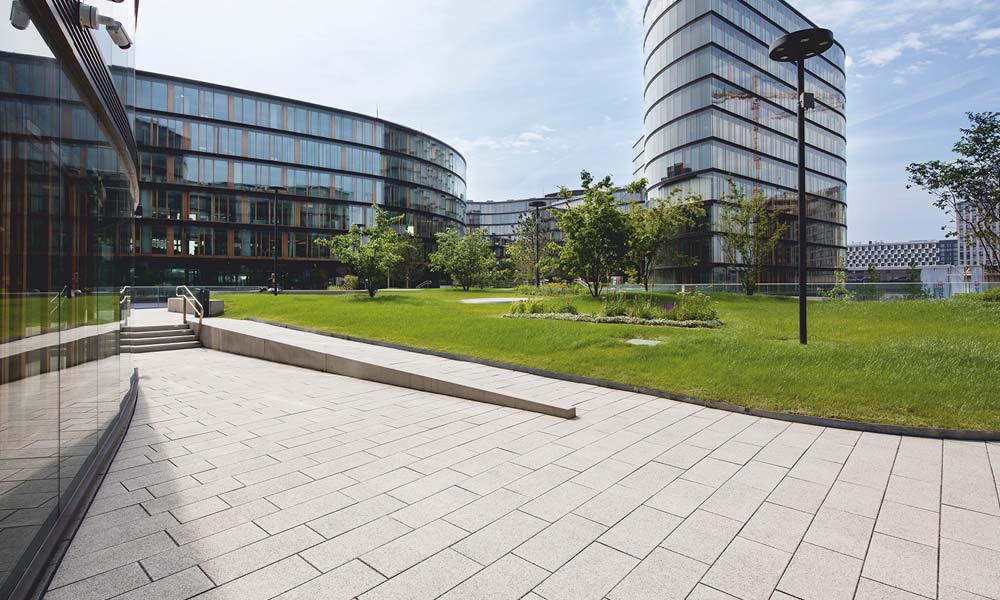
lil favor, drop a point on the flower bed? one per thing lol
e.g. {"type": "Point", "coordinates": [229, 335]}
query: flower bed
{"type": "Point", "coordinates": [621, 320]}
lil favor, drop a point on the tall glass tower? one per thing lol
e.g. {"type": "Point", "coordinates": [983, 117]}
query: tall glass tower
{"type": "Point", "coordinates": [716, 107]}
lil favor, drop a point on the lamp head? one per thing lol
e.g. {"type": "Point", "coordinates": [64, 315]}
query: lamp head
{"type": "Point", "coordinates": [800, 45]}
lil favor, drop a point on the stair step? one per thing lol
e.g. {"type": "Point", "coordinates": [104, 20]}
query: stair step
{"type": "Point", "coordinates": [129, 335]}
{"type": "Point", "coordinates": [137, 341]}
{"type": "Point", "coordinates": [160, 347]}
{"type": "Point", "coordinates": [133, 329]}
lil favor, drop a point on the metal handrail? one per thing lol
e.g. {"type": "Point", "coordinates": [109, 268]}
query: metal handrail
{"type": "Point", "coordinates": [423, 285]}
{"type": "Point", "coordinates": [55, 303]}
{"type": "Point", "coordinates": [182, 291]}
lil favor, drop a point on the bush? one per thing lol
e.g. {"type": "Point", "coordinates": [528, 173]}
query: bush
{"type": "Point", "coordinates": [987, 296]}
{"type": "Point", "coordinates": [542, 307]}
{"type": "Point", "coordinates": [551, 289]}
{"type": "Point", "coordinates": [615, 305]}
{"type": "Point", "coordinates": [351, 282]}
{"type": "Point", "coordinates": [693, 307]}
{"type": "Point", "coordinates": [645, 310]}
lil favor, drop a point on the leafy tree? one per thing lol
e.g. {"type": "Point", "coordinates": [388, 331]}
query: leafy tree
{"type": "Point", "coordinates": [914, 290]}
{"type": "Point", "coordinates": [465, 259]}
{"type": "Point", "coordinates": [370, 252]}
{"type": "Point", "coordinates": [839, 290]}
{"type": "Point", "coordinates": [750, 233]}
{"type": "Point", "coordinates": [521, 251]}
{"type": "Point", "coordinates": [595, 234]}
{"type": "Point", "coordinates": [412, 264]}
{"type": "Point", "coordinates": [653, 228]}
{"type": "Point", "coordinates": [872, 291]}
{"type": "Point", "coordinates": [969, 187]}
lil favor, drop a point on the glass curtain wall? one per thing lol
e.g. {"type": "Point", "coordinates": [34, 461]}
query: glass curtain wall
{"type": "Point", "coordinates": [66, 201]}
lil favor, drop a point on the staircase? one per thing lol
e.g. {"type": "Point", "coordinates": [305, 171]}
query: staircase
{"type": "Point", "coordinates": [155, 338]}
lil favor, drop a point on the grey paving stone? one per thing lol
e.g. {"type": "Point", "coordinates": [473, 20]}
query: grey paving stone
{"type": "Point", "coordinates": [381, 484]}
{"type": "Point", "coordinates": [799, 494]}
{"type": "Point", "coordinates": [777, 526]}
{"type": "Point", "coordinates": [604, 474]}
{"type": "Point", "coordinates": [407, 550]}
{"type": "Point", "coordinates": [83, 566]}
{"type": "Point", "coordinates": [651, 478]}
{"type": "Point", "coordinates": [310, 491]}
{"type": "Point", "coordinates": [434, 507]}
{"type": "Point", "coordinates": [264, 488]}
{"type": "Point", "coordinates": [748, 570]}
{"type": "Point", "coordinates": [914, 492]}
{"type": "Point", "coordinates": [197, 510]}
{"type": "Point", "coordinates": [970, 569]}
{"type": "Point", "coordinates": [540, 481]}
{"type": "Point", "coordinates": [428, 579]}
{"type": "Point", "coordinates": [683, 456]}
{"type": "Point", "coordinates": [819, 574]}
{"type": "Point", "coordinates": [427, 486]}
{"type": "Point", "coordinates": [558, 501]}
{"type": "Point", "coordinates": [641, 531]}
{"type": "Point", "coordinates": [736, 452]}
{"type": "Point", "coordinates": [509, 578]}
{"type": "Point", "coordinates": [588, 575]}
{"type": "Point", "coordinates": [559, 542]}
{"type": "Point", "coordinates": [342, 583]}
{"type": "Point", "coordinates": [260, 554]}
{"type": "Point", "coordinates": [702, 536]}
{"type": "Point", "coordinates": [902, 564]}
{"type": "Point", "coordinates": [854, 498]}
{"type": "Point", "coordinates": [220, 521]}
{"type": "Point", "coordinates": [108, 584]}
{"type": "Point", "coordinates": [186, 584]}
{"type": "Point", "coordinates": [816, 470]}
{"type": "Point", "coordinates": [910, 523]}
{"type": "Point", "coordinates": [681, 497]}
{"type": "Point", "coordinates": [340, 550]}
{"type": "Point", "coordinates": [873, 590]}
{"type": "Point", "coordinates": [303, 513]}
{"type": "Point", "coordinates": [500, 537]}
{"type": "Point", "coordinates": [842, 532]}
{"type": "Point", "coordinates": [188, 496]}
{"type": "Point", "coordinates": [970, 527]}
{"type": "Point", "coordinates": [345, 519]}
{"type": "Point", "coordinates": [735, 500]}
{"type": "Point", "coordinates": [663, 575]}
{"type": "Point", "coordinates": [92, 539]}
{"type": "Point", "coordinates": [780, 455]}
{"type": "Point", "coordinates": [191, 554]}
{"type": "Point", "coordinates": [494, 479]}
{"type": "Point", "coordinates": [265, 583]}
{"type": "Point", "coordinates": [703, 592]}
{"type": "Point", "coordinates": [711, 472]}
{"type": "Point", "coordinates": [485, 510]}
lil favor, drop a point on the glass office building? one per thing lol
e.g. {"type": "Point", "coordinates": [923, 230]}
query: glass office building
{"type": "Point", "coordinates": [717, 107]}
{"type": "Point", "coordinates": [209, 157]}
{"type": "Point", "coordinates": [67, 194]}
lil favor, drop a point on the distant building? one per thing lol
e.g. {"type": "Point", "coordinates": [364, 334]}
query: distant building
{"type": "Point", "coordinates": [948, 252]}
{"type": "Point", "coordinates": [971, 252]}
{"type": "Point", "coordinates": [898, 255]}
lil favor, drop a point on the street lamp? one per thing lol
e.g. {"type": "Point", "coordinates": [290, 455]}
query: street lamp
{"type": "Point", "coordinates": [797, 47]}
{"type": "Point", "coordinates": [537, 205]}
{"type": "Point", "coordinates": [274, 189]}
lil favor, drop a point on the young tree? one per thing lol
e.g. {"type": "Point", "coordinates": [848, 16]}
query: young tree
{"type": "Point", "coordinates": [521, 251]}
{"type": "Point", "coordinates": [370, 252]}
{"type": "Point", "coordinates": [969, 187]}
{"type": "Point", "coordinates": [750, 233]}
{"type": "Point", "coordinates": [594, 234]}
{"type": "Point", "coordinates": [412, 264]}
{"type": "Point", "coordinates": [653, 228]}
{"type": "Point", "coordinates": [914, 289]}
{"type": "Point", "coordinates": [466, 259]}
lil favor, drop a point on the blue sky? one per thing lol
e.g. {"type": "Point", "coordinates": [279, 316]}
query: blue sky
{"type": "Point", "coordinates": [533, 91]}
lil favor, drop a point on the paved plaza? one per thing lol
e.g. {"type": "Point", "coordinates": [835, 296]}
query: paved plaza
{"type": "Point", "coordinates": [247, 479]}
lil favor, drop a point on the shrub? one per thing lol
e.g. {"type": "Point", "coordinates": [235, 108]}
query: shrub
{"type": "Point", "coordinates": [551, 289]}
{"type": "Point", "coordinates": [615, 305]}
{"type": "Point", "coordinates": [517, 308]}
{"type": "Point", "coordinates": [567, 308]}
{"type": "Point", "coordinates": [542, 307]}
{"type": "Point", "coordinates": [693, 307]}
{"type": "Point", "coordinates": [987, 296]}
{"type": "Point", "coordinates": [645, 310]}
{"type": "Point", "coordinates": [351, 282]}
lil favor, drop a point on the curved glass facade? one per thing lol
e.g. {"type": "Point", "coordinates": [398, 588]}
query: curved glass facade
{"type": "Point", "coordinates": [208, 156]}
{"type": "Point", "coordinates": [716, 106]}
{"type": "Point", "coordinates": [66, 204]}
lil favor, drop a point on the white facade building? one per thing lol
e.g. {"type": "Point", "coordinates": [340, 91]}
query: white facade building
{"type": "Point", "coordinates": [971, 252]}
{"type": "Point", "coordinates": [893, 255]}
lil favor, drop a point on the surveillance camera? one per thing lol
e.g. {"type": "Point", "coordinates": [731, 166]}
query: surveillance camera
{"type": "Point", "coordinates": [19, 16]}
{"type": "Point", "coordinates": [119, 36]}
{"type": "Point", "coordinates": [91, 19]}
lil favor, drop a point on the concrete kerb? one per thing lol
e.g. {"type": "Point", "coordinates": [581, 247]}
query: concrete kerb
{"type": "Point", "coordinates": [217, 338]}
{"type": "Point", "coordinates": [972, 435]}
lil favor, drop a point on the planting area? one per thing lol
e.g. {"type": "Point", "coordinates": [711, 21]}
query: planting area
{"type": "Point", "coordinates": [926, 363]}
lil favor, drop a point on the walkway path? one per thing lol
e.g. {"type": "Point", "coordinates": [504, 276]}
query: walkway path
{"type": "Point", "coordinates": [248, 479]}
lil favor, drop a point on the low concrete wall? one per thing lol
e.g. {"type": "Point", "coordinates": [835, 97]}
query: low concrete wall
{"type": "Point", "coordinates": [215, 307]}
{"type": "Point", "coordinates": [233, 342]}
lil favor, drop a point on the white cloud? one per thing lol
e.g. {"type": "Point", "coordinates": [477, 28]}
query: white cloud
{"type": "Point", "coordinates": [887, 54]}
{"type": "Point", "coordinates": [954, 29]}
{"type": "Point", "coordinates": [984, 51]}
{"type": "Point", "coordinates": [992, 33]}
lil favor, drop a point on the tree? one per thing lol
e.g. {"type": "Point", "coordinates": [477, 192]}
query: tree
{"type": "Point", "coordinates": [595, 233]}
{"type": "Point", "coordinates": [969, 187]}
{"type": "Point", "coordinates": [412, 262]}
{"type": "Point", "coordinates": [466, 259]}
{"type": "Point", "coordinates": [872, 291]}
{"type": "Point", "coordinates": [914, 289]}
{"type": "Point", "coordinates": [839, 290]}
{"type": "Point", "coordinates": [371, 252]}
{"type": "Point", "coordinates": [521, 251]}
{"type": "Point", "coordinates": [750, 233]}
{"type": "Point", "coordinates": [653, 229]}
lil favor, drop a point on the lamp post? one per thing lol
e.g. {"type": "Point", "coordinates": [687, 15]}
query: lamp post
{"type": "Point", "coordinates": [537, 205]}
{"type": "Point", "coordinates": [797, 47]}
{"type": "Point", "coordinates": [274, 236]}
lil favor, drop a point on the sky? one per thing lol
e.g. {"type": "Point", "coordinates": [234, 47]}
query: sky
{"type": "Point", "coordinates": [533, 91]}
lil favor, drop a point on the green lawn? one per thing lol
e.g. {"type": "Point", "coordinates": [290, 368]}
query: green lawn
{"type": "Point", "coordinates": [928, 363]}
{"type": "Point", "coordinates": [29, 315]}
